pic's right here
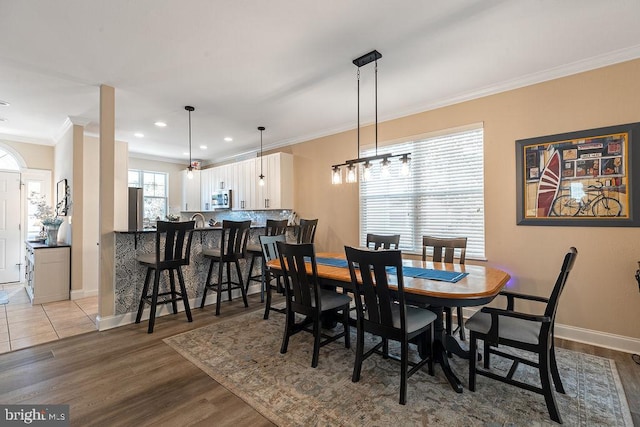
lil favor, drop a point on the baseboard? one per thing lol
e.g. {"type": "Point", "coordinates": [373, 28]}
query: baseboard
{"type": "Point", "coordinates": [110, 322]}
{"type": "Point", "coordinates": [83, 294]}
{"type": "Point", "coordinates": [588, 336]}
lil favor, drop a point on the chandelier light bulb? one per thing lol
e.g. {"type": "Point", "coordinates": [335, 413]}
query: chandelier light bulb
{"type": "Point", "coordinates": [404, 171]}
{"type": "Point", "coordinates": [366, 174]}
{"type": "Point", "coordinates": [336, 175]}
{"type": "Point", "coordinates": [261, 180]}
{"type": "Point", "coordinates": [384, 170]}
{"type": "Point", "coordinates": [190, 172]}
{"type": "Point", "coordinates": [352, 176]}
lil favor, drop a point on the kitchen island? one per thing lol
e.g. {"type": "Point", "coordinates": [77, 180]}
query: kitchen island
{"type": "Point", "coordinates": [130, 274]}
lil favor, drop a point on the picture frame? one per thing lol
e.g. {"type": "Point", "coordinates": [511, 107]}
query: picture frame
{"type": "Point", "coordinates": [63, 198]}
{"type": "Point", "coordinates": [584, 178]}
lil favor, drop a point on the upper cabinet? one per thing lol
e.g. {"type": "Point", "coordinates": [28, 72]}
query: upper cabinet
{"type": "Point", "coordinates": [191, 191]}
{"type": "Point", "coordinates": [277, 191]}
{"type": "Point", "coordinates": [206, 188]}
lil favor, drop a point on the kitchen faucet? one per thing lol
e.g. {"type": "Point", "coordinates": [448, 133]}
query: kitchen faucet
{"type": "Point", "coordinates": [199, 218]}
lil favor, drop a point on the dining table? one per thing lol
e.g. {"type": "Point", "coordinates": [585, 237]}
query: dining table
{"type": "Point", "coordinates": [426, 283]}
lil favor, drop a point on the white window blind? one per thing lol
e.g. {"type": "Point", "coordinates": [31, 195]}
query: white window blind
{"type": "Point", "coordinates": [442, 196]}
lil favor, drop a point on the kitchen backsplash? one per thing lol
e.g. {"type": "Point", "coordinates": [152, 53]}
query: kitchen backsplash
{"type": "Point", "coordinates": [257, 218]}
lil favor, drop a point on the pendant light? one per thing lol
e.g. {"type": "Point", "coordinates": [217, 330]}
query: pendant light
{"type": "Point", "coordinates": [190, 167]}
{"type": "Point", "coordinates": [261, 177]}
{"type": "Point", "coordinates": [367, 163]}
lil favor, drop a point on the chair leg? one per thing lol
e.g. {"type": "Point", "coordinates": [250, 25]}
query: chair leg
{"type": "Point", "coordinates": [253, 258]}
{"type": "Point", "coordinates": [545, 380]}
{"type": "Point", "coordinates": [145, 290]}
{"type": "Point", "coordinates": [219, 293]}
{"type": "Point", "coordinates": [487, 355]}
{"type": "Point", "coordinates": [554, 371]}
{"type": "Point", "coordinates": [404, 363]}
{"type": "Point", "coordinates": [267, 307]}
{"type": "Point", "coordinates": [172, 284]}
{"type": "Point", "coordinates": [207, 284]}
{"type": "Point", "coordinates": [183, 293]}
{"type": "Point", "coordinates": [460, 323]}
{"type": "Point", "coordinates": [154, 300]}
{"type": "Point", "coordinates": [345, 324]}
{"type": "Point", "coordinates": [316, 341]}
{"type": "Point", "coordinates": [229, 280]}
{"type": "Point", "coordinates": [473, 349]}
{"type": "Point", "coordinates": [431, 355]}
{"type": "Point", "coordinates": [357, 365]}
{"type": "Point", "coordinates": [288, 326]}
{"type": "Point", "coordinates": [263, 282]}
{"type": "Point", "coordinates": [242, 290]}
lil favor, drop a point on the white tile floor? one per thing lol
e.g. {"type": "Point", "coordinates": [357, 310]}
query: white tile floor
{"type": "Point", "coordinates": [24, 325]}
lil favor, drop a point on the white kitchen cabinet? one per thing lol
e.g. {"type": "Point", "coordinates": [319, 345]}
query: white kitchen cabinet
{"type": "Point", "coordinates": [191, 191]}
{"type": "Point", "coordinates": [277, 192]}
{"type": "Point", "coordinates": [47, 272]}
{"type": "Point", "coordinates": [206, 188]}
{"type": "Point", "coordinates": [245, 181]}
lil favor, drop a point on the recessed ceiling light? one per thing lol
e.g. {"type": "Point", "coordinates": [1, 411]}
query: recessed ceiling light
{"type": "Point", "coordinates": [185, 154]}
{"type": "Point", "coordinates": [228, 139]}
{"type": "Point", "coordinates": [139, 135]}
{"type": "Point", "coordinates": [2, 119]}
{"type": "Point", "coordinates": [203, 147]}
{"type": "Point", "coordinates": [4, 103]}
{"type": "Point", "coordinates": [160, 124]}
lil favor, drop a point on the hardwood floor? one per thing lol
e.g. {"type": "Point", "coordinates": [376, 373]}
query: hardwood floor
{"type": "Point", "coordinates": [125, 377]}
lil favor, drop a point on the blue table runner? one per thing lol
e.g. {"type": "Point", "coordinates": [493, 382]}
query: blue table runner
{"type": "Point", "coordinates": [419, 272]}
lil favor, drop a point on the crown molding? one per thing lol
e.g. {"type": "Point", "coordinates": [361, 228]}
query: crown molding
{"type": "Point", "coordinates": [26, 139]}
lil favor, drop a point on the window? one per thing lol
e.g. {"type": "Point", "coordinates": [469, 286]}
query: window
{"type": "Point", "coordinates": [154, 185]}
{"type": "Point", "coordinates": [443, 195]}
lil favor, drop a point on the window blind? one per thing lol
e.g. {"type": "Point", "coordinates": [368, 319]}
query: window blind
{"type": "Point", "coordinates": [442, 196]}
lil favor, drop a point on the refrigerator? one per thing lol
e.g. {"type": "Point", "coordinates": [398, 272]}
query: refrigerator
{"type": "Point", "coordinates": [136, 209]}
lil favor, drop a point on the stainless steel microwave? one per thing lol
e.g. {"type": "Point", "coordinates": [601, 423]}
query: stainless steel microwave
{"type": "Point", "coordinates": [221, 199]}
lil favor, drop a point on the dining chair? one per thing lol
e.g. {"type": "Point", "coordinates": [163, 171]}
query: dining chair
{"type": "Point", "coordinates": [171, 253]}
{"type": "Point", "coordinates": [270, 252]}
{"type": "Point", "coordinates": [305, 296]}
{"type": "Point", "coordinates": [307, 230]}
{"type": "Point", "coordinates": [530, 332]}
{"type": "Point", "coordinates": [384, 313]}
{"type": "Point", "coordinates": [273, 227]}
{"type": "Point", "coordinates": [233, 245]}
{"type": "Point", "coordinates": [380, 241]}
{"type": "Point", "coordinates": [444, 250]}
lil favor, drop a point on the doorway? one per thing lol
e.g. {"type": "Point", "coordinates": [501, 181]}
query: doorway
{"type": "Point", "coordinates": [10, 248]}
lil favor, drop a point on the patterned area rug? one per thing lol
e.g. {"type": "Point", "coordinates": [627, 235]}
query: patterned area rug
{"type": "Point", "coordinates": [243, 355]}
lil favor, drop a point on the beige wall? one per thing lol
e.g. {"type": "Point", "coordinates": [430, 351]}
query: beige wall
{"type": "Point", "coordinates": [36, 156]}
{"type": "Point", "coordinates": [602, 294]}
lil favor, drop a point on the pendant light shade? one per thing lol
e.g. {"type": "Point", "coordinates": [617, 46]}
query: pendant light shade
{"type": "Point", "coordinates": [261, 176]}
{"type": "Point", "coordinates": [367, 164]}
{"type": "Point", "coordinates": [190, 167]}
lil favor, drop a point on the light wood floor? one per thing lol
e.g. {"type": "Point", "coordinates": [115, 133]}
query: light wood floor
{"type": "Point", "coordinates": [126, 377]}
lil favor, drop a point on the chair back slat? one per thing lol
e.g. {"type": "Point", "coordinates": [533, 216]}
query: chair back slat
{"type": "Point", "coordinates": [307, 230]}
{"type": "Point", "coordinates": [444, 248]}
{"type": "Point", "coordinates": [276, 227]}
{"type": "Point", "coordinates": [234, 239]}
{"type": "Point", "coordinates": [380, 241]}
{"type": "Point", "coordinates": [269, 245]}
{"type": "Point", "coordinates": [301, 288]}
{"type": "Point", "coordinates": [173, 243]}
{"type": "Point", "coordinates": [371, 267]}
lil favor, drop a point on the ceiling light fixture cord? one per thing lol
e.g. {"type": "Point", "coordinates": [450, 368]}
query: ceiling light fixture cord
{"type": "Point", "coordinates": [261, 177]}
{"type": "Point", "coordinates": [190, 161]}
{"type": "Point", "coordinates": [376, 100]}
{"type": "Point", "coordinates": [358, 153]}
{"type": "Point", "coordinates": [190, 167]}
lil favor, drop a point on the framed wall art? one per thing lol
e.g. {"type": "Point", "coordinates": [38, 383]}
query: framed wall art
{"type": "Point", "coordinates": [63, 198]}
{"type": "Point", "coordinates": [583, 178]}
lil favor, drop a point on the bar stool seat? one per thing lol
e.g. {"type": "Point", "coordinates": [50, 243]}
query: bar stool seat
{"type": "Point", "coordinates": [233, 246]}
{"type": "Point", "coordinates": [273, 228]}
{"type": "Point", "coordinates": [173, 255]}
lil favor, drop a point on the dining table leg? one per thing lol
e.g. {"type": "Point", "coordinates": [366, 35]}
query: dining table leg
{"type": "Point", "coordinates": [442, 342]}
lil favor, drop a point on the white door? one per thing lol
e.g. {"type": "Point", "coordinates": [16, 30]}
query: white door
{"type": "Point", "coordinates": [9, 227]}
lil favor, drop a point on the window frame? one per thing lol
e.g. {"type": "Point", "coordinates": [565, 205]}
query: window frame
{"type": "Point", "coordinates": [141, 173]}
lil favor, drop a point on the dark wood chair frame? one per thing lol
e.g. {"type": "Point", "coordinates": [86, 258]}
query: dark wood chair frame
{"type": "Point", "coordinates": [273, 227]}
{"type": "Point", "coordinates": [380, 241]}
{"type": "Point", "coordinates": [233, 245]}
{"type": "Point", "coordinates": [306, 231]}
{"type": "Point", "coordinates": [269, 246]}
{"type": "Point", "coordinates": [303, 295]}
{"type": "Point", "coordinates": [545, 348]}
{"type": "Point", "coordinates": [444, 251]}
{"type": "Point", "coordinates": [171, 253]}
{"type": "Point", "coordinates": [375, 302]}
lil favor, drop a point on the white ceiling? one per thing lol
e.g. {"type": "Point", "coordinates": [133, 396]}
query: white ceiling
{"type": "Point", "coordinates": [281, 64]}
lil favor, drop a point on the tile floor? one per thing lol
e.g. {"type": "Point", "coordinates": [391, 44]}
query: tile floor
{"type": "Point", "coordinates": [24, 325]}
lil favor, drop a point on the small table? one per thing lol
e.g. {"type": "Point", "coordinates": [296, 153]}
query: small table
{"type": "Point", "coordinates": [479, 287]}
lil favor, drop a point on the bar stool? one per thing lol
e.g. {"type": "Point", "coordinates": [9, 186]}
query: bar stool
{"type": "Point", "coordinates": [171, 257]}
{"type": "Point", "coordinates": [307, 230]}
{"type": "Point", "coordinates": [274, 227]}
{"type": "Point", "coordinates": [233, 246]}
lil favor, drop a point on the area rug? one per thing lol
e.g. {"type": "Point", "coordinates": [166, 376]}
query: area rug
{"type": "Point", "coordinates": [243, 355]}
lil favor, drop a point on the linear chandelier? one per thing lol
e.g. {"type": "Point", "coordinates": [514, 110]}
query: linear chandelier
{"type": "Point", "coordinates": [367, 163]}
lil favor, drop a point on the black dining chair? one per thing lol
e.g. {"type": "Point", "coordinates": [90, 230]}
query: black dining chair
{"type": "Point", "coordinates": [529, 332]}
{"type": "Point", "coordinates": [380, 241]}
{"type": "Point", "coordinates": [233, 245]}
{"type": "Point", "coordinates": [305, 296]}
{"type": "Point", "coordinates": [306, 231]}
{"type": "Point", "coordinates": [384, 313]}
{"type": "Point", "coordinates": [172, 251]}
{"type": "Point", "coordinates": [444, 249]}
{"type": "Point", "coordinates": [273, 227]}
{"type": "Point", "coordinates": [269, 253]}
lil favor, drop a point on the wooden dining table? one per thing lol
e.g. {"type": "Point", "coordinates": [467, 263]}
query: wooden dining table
{"type": "Point", "coordinates": [480, 286]}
